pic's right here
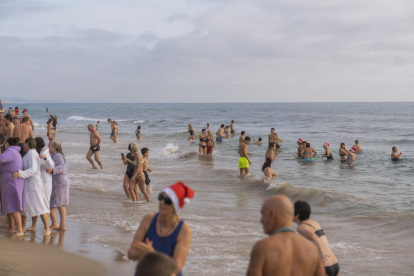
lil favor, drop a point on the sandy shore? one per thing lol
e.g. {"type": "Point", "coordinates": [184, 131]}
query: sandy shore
{"type": "Point", "coordinates": [62, 253]}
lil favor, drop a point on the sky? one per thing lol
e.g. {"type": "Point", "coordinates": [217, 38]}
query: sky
{"type": "Point", "coordinates": [207, 50]}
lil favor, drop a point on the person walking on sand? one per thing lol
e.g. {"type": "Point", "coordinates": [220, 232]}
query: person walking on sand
{"type": "Point", "coordinates": [129, 161]}
{"type": "Point", "coordinates": [394, 155]}
{"type": "Point", "coordinates": [283, 252]}
{"type": "Point", "coordinates": [311, 230]}
{"type": "Point", "coordinates": [145, 155]}
{"type": "Point", "coordinates": [60, 187]}
{"type": "Point", "coordinates": [210, 142]}
{"type": "Point", "coordinates": [33, 196]}
{"type": "Point", "coordinates": [244, 160]}
{"type": "Point", "coordinates": [165, 231]}
{"type": "Point", "coordinates": [358, 147]}
{"type": "Point", "coordinates": [11, 189]}
{"type": "Point", "coordinates": [270, 156]}
{"type": "Point", "coordinates": [138, 133]}
{"type": "Point", "coordinates": [138, 179]}
{"type": "Point", "coordinates": [328, 152]}
{"type": "Point", "coordinates": [95, 147]}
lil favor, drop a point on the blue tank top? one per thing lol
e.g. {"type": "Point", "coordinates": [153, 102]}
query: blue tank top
{"type": "Point", "coordinates": [165, 245]}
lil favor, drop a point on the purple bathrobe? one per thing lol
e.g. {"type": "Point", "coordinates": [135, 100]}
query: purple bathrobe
{"type": "Point", "coordinates": [11, 190]}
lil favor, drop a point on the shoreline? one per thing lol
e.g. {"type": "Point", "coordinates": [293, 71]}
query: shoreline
{"type": "Point", "coordinates": [71, 253]}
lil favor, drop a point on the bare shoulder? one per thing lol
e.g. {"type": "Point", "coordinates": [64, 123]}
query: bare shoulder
{"type": "Point", "coordinates": [186, 229]}
{"type": "Point", "coordinates": [147, 219]}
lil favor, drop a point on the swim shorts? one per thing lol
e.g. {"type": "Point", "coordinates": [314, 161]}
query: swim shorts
{"type": "Point", "coordinates": [93, 149]}
{"type": "Point", "coordinates": [209, 149]}
{"type": "Point", "coordinates": [219, 139]}
{"type": "Point", "coordinates": [243, 163]}
{"type": "Point", "coordinates": [308, 159]}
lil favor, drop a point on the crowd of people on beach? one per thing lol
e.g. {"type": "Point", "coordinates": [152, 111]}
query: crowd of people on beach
{"type": "Point", "coordinates": [33, 180]}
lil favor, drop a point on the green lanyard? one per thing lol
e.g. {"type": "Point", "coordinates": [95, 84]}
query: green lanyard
{"type": "Point", "coordinates": [285, 229]}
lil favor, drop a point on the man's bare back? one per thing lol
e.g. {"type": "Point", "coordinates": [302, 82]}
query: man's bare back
{"type": "Point", "coordinates": [94, 138]}
{"type": "Point", "coordinates": [288, 254]}
{"type": "Point", "coordinates": [23, 131]}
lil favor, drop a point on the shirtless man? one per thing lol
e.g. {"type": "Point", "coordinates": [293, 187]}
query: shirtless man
{"type": "Point", "coordinates": [2, 127]}
{"type": "Point", "coordinates": [95, 140]}
{"type": "Point", "coordinates": [210, 142]}
{"type": "Point", "coordinates": [23, 131]}
{"type": "Point", "coordinates": [244, 160]}
{"type": "Point", "coordinates": [219, 134]}
{"type": "Point", "coordinates": [16, 120]}
{"type": "Point", "coordinates": [8, 120]}
{"type": "Point", "coordinates": [242, 136]}
{"type": "Point", "coordinates": [232, 131]}
{"type": "Point", "coordinates": [272, 136]}
{"type": "Point", "coordinates": [284, 252]}
{"type": "Point", "coordinates": [358, 147]}
{"type": "Point", "coordinates": [1, 107]}
{"type": "Point", "coordinates": [27, 115]}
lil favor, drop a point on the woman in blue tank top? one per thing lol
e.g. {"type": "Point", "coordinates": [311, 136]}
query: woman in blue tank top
{"type": "Point", "coordinates": [165, 231]}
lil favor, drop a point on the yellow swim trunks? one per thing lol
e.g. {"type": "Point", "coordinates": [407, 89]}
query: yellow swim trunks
{"type": "Point", "coordinates": [243, 163]}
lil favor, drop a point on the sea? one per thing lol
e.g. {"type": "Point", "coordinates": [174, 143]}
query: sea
{"type": "Point", "coordinates": [367, 211]}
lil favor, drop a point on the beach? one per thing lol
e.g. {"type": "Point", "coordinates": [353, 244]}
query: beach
{"type": "Point", "coordinates": [367, 212]}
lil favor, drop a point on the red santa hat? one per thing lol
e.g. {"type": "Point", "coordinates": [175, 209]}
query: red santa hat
{"type": "Point", "coordinates": [326, 144]}
{"type": "Point", "coordinates": [300, 140]}
{"type": "Point", "coordinates": [179, 194]}
{"type": "Point", "coordinates": [352, 149]}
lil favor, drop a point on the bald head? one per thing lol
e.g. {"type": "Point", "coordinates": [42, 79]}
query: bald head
{"type": "Point", "coordinates": [277, 212]}
{"type": "Point", "coordinates": [90, 127]}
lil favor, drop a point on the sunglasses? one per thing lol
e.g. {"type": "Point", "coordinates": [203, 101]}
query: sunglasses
{"type": "Point", "coordinates": [166, 199]}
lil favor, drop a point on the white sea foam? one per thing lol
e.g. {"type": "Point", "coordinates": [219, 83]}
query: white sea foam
{"type": "Point", "coordinates": [139, 121]}
{"type": "Point", "coordinates": [84, 119]}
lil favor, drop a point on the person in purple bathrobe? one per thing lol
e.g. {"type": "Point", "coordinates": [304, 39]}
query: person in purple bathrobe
{"type": "Point", "coordinates": [11, 189]}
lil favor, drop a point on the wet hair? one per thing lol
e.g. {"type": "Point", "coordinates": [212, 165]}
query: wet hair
{"type": "Point", "coordinates": [57, 146]}
{"type": "Point", "coordinates": [342, 144]}
{"type": "Point", "coordinates": [16, 107]}
{"type": "Point", "coordinates": [134, 147]}
{"type": "Point", "coordinates": [40, 144]}
{"type": "Point", "coordinates": [271, 145]}
{"type": "Point", "coordinates": [25, 119]}
{"type": "Point", "coordinates": [144, 151]}
{"type": "Point", "coordinates": [303, 209]}
{"type": "Point", "coordinates": [272, 128]}
{"type": "Point", "coordinates": [304, 142]}
{"type": "Point", "coordinates": [260, 139]}
{"type": "Point", "coordinates": [16, 118]}
{"type": "Point", "coordinates": [208, 124]}
{"type": "Point", "coordinates": [308, 145]}
{"type": "Point", "coordinates": [247, 138]}
{"type": "Point", "coordinates": [156, 264]}
{"type": "Point", "coordinates": [203, 130]}
{"type": "Point", "coordinates": [356, 142]}
{"type": "Point", "coordinates": [31, 142]}
{"type": "Point", "coordinates": [13, 141]}
{"type": "Point", "coordinates": [393, 148]}
{"type": "Point", "coordinates": [243, 132]}
{"type": "Point", "coordinates": [49, 121]}
{"type": "Point", "coordinates": [222, 125]}
{"type": "Point", "coordinates": [8, 117]}
{"type": "Point", "coordinates": [139, 127]}
{"type": "Point", "coordinates": [129, 146]}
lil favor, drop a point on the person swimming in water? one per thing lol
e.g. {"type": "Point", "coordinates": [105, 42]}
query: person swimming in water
{"type": "Point", "coordinates": [311, 230]}
{"type": "Point", "coordinates": [309, 153]}
{"type": "Point", "coordinates": [328, 152]}
{"type": "Point", "coordinates": [138, 132]}
{"type": "Point", "coordinates": [202, 146]}
{"type": "Point", "coordinates": [343, 152]}
{"type": "Point", "coordinates": [270, 156]}
{"type": "Point", "coordinates": [394, 155]}
{"type": "Point", "coordinates": [191, 131]}
{"type": "Point", "coordinates": [358, 147]}
{"type": "Point", "coordinates": [351, 156]}
{"type": "Point", "coordinates": [258, 142]}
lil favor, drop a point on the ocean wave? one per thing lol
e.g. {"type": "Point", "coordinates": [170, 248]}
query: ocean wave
{"type": "Point", "coordinates": [84, 119]}
{"type": "Point", "coordinates": [172, 151]}
{"type": "Point", "coordinates": [139, 121]}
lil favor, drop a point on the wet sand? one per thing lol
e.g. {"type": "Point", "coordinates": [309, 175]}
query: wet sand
{"type": "Point", "coordinates": [62, 253]}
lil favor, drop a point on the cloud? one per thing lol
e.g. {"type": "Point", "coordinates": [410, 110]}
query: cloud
{"type": "Point", "coordinates": [209, 51]}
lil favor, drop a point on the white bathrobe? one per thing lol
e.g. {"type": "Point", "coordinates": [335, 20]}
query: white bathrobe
{"type": "Point", "coordinates": [33, 196]}
{"type": "Point", "coordinates": [46, 177]}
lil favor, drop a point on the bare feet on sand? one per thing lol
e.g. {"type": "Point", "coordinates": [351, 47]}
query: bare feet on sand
{"type": "Point", "coordinates": [54, 227]}
{"type": "Point", "coordinates": [47, 233]}
{"type": "Point", "coordinates": [19, 234]}
{"type": "Point", "coordinates": [31, 229]}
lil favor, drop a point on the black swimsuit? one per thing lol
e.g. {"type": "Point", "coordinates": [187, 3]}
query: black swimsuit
{"type": "Point", "coordinates": [267, 164]}
{"type": "Point", "coordinates": [332, 270]}
{"type": "Point", "coordinates": [203, 140]}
